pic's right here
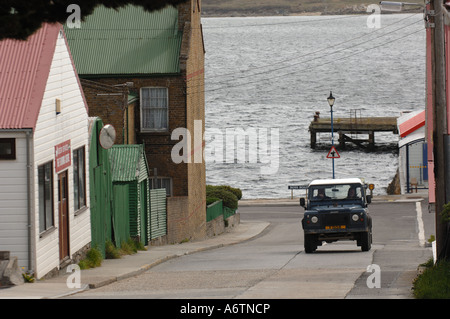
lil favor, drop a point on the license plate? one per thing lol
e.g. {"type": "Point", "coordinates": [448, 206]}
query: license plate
{"type": "Point", "coordinates": [335, 227]}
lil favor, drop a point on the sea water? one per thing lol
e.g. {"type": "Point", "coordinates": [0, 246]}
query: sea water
{"type": "Point", "coordinates": [269, 75]}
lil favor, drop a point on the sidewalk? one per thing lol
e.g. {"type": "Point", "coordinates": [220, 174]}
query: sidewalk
{"type": "Point", "coordinates": [113, 270]}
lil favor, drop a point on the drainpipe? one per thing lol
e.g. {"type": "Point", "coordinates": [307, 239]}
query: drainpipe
{"type": "Point", "coordinates": [30, 255]}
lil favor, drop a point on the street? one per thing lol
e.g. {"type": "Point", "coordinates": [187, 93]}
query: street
{"type": "Point", "coordinates": [273, 265]}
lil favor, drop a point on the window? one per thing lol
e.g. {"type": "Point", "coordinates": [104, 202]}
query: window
{"type": "Point", "coordinates": [7, 148]}
{"type": "Point", "coordinates": [45, 180]}
{"type": "Point", "coordinates": [79, 178]}
{"type": "Point", "coordinates": [154, 109]}
{"type": "Point", "coordinates": [162, 182]}
{"type": "Point", "coordinates": [335, 192]}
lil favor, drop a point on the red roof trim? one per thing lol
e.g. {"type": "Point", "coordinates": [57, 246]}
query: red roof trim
{"type": "Point", "coordinates": [412, 124]}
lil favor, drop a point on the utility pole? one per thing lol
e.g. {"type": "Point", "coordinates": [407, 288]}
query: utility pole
{"type": "Point", "coordinates": [439, 123]}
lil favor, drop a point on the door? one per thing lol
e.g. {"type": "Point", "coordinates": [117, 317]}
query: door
{"type": "Point", "coordinates": [63, 207]}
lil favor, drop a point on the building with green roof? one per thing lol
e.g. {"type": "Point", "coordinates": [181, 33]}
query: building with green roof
{"type": "Point", "coordinates": [143, 73]}
{"type": "Point", "coordinates": [102, 47]}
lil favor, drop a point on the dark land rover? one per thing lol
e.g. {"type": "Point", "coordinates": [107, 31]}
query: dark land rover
{"type": "Point", "coordinates": [336, 209]}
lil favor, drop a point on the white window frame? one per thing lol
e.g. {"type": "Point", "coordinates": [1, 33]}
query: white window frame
{"type": "Point", "coordinates": [46, 214]}
{"type": "Point", "coordinates": [149, 129]}
{"type": "Point", "coordinates": [79, 179]}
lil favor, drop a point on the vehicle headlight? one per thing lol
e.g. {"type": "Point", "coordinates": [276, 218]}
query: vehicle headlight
{"type": "Point", "coordinates": [314, 219]}
{"type": "Point", "coordinates": [355, 217]}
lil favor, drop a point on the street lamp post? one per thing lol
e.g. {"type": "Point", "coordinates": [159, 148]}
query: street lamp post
{"type": "Point", "coordinates": [331, 100]}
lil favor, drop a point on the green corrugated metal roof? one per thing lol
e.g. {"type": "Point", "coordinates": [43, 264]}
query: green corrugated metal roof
{"type": "Point", "coordinates": [127, 41]}
{"type": "Point", "coordinates": [126, 162]}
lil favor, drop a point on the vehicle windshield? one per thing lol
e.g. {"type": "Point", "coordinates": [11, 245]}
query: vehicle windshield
{"type": "Point", "coordinates": [320, 193]}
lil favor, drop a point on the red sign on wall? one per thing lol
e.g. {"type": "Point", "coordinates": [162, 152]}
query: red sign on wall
{"type": "Point", "coordinates": [63, 158]}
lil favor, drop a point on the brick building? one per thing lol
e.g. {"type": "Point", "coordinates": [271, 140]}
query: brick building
{"type": "Point", "coordinates": [143, 73]}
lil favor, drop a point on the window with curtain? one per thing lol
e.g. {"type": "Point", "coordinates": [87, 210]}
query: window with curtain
{"type": "Point", "coordinates": [154, 109]}
{"type": "Point", "coordinates": [79, 178]}
{"type": "Point", "coordinates": [45, 181]}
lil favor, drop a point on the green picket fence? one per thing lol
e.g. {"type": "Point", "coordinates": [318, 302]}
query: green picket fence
{"type": "Point", "coordinates": [217, 209]}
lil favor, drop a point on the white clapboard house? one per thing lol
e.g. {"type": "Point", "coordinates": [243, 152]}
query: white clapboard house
{"type": "Point", "coordinates": [44, 195]}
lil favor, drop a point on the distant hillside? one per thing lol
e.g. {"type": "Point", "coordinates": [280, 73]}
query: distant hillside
{"type": "Point", "coordinates": [231, 8]}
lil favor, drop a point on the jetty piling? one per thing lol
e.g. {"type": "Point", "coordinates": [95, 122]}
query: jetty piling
{"type": "Point", "coordinates": [350, 128]}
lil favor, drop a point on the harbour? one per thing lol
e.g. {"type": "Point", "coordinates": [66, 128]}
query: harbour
{"type": "Point", "coordinates": [351, 128]}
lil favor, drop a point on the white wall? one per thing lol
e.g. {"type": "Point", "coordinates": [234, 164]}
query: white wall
{"type": "Point", "coordinates": [51, 130]}
{"type": "Point", "coordinates": [13, 201]}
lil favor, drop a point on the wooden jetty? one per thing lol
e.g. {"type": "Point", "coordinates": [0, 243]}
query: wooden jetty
{"type": "Point", "coordinates": [348, 128]}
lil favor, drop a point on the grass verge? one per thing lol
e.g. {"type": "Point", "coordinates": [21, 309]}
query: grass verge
{"type": "Point", "coordinates": [93, 259]}
{"type": "Point", "coordinates": [434, 282]}
{"type": "Point", "coordinates": [128, 247]}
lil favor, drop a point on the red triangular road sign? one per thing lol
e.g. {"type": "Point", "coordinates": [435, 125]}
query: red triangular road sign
{"type": "Point", "coordinates": [333, 153]}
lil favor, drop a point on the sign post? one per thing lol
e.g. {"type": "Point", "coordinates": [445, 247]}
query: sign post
{"type": "Point", "coordinates": [292, 187]}
{"type": "Point", "coordinates": [331, 100]}
{"type": "Point", "coordinates": [333, 153]}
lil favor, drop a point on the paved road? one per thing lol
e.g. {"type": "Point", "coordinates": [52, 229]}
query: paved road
{"type": "Point", "coordinates": [273, 265]}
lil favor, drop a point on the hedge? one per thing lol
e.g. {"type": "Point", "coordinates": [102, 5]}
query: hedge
{"type": "Point", "coordinates": [227, 194]}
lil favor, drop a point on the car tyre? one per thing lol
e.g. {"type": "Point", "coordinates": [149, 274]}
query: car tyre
{"type": "Point", "coordinates": [366, 241]}
{"type": "Point", "coordinates": [310, 244]}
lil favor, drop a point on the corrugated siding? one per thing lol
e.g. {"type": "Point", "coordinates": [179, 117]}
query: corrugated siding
{"type": "Point", "coordinates": [125, 161]}
{"type": "Point", "coordinates": [158, 213]}
{"type": "Point", "coordinates": [127, 41]}
{"type": "Point", "coordinates": [143, 169]}
{"type": "Point", "coordinates": [134, 210]}
{"type": "Point", "coordinates": [101, 190]}
{"type": "Point", "coordinates": [129, 171]}
{"type": "Point", "coordinates": [121, 219]}
{"type": "Point", "coordinates": [144, 202]}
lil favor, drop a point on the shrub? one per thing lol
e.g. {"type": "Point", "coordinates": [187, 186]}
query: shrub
{"type": "Point", "coordinates": [445, 213]}
{"type": "Point", "coordinates": [128, 247]}
{"type": "Point", "coordinates": [93, 259]}
{"type": "Point", "coordinates": [236, 191]}
{"type": "Point", "coordinates": [131, 246]}
{"type": "Point", "coordinates": [111, 252]}
{"type": "Point", "coordinates": [229, 198]}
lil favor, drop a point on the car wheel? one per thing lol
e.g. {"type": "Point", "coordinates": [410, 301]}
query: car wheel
{"type": "Point", "coordinates": [366, 241]}
{"type": "Point", "coordinates": [310, 244]}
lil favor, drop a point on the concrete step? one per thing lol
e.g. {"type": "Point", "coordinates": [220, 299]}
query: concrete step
{"type": "Point", "coordinates": [10, 273]}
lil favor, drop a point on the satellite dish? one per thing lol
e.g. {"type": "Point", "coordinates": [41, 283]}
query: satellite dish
{"type": "Point", "coordinates": [107, 136]}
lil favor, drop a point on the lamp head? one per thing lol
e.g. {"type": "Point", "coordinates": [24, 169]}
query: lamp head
{"type": "Point", "coordinates": [331, 99]}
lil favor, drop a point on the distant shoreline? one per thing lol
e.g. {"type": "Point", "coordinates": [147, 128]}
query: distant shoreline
{"type": "Point", "coordinates": [270, 13]}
